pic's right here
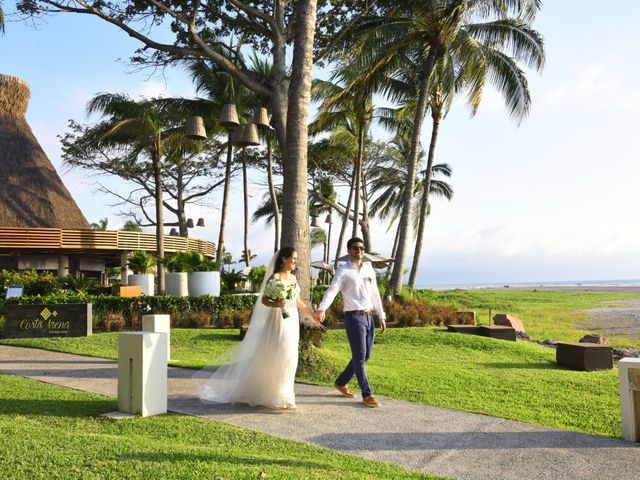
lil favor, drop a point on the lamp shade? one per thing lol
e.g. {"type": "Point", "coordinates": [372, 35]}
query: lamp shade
{"type": "Point", "coordinates": [173, 232]}
{"type": "Point", "coordinates": [200, 222]}
{"type": "Point", "coordinates": [229, 116]}
{"type": "Point", "coordinates": [250, 135]}
{"type": "Point", "coordinates": [329, 219]}
{"type": "Point", "coordinates": [236, 135]}
{"type": "Point", "coordinates": [195, 129]}
{"type": "Point", "coordinates": [261, 118]}
{"type": "Point", "coordinates": [314, 221]}
{"type": "Point", "coordinates": [190, 223]}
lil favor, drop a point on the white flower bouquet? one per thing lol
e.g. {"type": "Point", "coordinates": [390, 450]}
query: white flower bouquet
{"type": "Point", "coordinates": [276, 290]}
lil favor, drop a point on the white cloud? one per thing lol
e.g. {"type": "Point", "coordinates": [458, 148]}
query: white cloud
{"type": "Point", "coordinates": [595, 84]}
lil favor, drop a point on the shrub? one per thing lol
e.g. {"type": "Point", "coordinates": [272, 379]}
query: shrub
{"type": "Point", "coordinates": [113, 322]}
{"type": "Point", "coordinates": [192, 319]}
{"type": "Point", "coordinates": [35, 283]}
{"type": "Point", "coordinates": [231, 278]}
{"type": "Point", "coordinates": [141, 262]}
{"type": "Point", "coordinates": [410, 313]}
{"type": "Point", "coordinates": [80, 285]}
{"type": "Point", "coordinates": [256, 276]}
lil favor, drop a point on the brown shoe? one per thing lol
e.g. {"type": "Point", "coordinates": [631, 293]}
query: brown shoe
{"type": "Point", "coordinates": [345, 391]}
{"type": "Point", "coordinates": [371, 402]}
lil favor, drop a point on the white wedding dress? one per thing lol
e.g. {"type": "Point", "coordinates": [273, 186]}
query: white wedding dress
{"type": "Point", "coordinates": [261, 370]}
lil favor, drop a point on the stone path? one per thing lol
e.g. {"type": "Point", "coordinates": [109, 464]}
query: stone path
{"type": "Point", "coordinates": [454, 444]}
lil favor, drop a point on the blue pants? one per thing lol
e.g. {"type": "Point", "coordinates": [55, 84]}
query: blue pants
{"type": "Point", "coordinates": [360, 332]}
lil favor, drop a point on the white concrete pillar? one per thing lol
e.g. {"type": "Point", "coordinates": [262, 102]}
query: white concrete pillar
{"type": "Point", "coordinates": [63, 265]}
{"type": "Point", "coordinates": [629, 377]}
{"type": "Point", "coordinates": [158, 324]}
{"type": "Point", "coordinates": [142, 373]}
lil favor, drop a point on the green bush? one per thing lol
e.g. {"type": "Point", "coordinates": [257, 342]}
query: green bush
{"type": "Point", "coordinates": [35, 283]}
{"type": "Point", "coordinates": [256, 276]}
{"type": "Point", "coordinates": [132, 308]}
{"type": "Point", "coordinates": [141, 262]}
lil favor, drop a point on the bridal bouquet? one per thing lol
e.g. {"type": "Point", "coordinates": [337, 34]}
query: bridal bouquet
{"type": "Point", "coordinates": [276, 290]}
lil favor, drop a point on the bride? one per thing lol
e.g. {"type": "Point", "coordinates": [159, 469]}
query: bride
{"type": "Point", "coordinates": [261, 369]}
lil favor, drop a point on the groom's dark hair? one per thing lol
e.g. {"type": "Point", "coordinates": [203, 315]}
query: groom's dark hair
{"type": "Point", "coordinates": [353, 240]}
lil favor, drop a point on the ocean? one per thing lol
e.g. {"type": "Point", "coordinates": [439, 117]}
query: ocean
{"type": "Point", "coordinates": [519, 285]}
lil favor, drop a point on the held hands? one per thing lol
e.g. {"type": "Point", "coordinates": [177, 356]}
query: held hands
{"type": "Point", "coordinates": [318, 316]}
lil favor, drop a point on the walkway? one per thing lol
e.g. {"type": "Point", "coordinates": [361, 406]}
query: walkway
{"type": "Point", "coordinates": [454, 444]}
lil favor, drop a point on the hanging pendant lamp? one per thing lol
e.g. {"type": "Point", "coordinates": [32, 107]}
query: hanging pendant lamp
{"type": "Point", "coordinates": [200, 222]}
{"type": "Point", "coordinates": [190, 223]}
{"type": "Point", "coordinates": [195, 129]}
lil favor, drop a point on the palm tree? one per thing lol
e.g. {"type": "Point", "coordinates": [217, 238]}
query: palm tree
{"type": "Point", "coordinates": [1, 20]}
{"type": "Point", "coordinates": [131, 226]}
{"type": "Point", "coordinates": [346, 109]}
{"type": "Point", "coordinates": [426, 31]}
{"type": "Point", "coordinates": [248, 258]}
{"type": "Point", "coordinates": [102, 225]}
{"type": "Point", "coordinates": [140, 127]}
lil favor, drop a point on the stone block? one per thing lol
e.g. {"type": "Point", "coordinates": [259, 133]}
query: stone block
{"type": "Point", "coordinates": [597, 339]}
{"type": "Point", "coordinates": [508, 321]}
{"type": "Point", "coordinates": [158, 324]}
{"type": "Point", "coordinates": [142, 373]}
{"type": "Point", "coordinates": [498, 331]}
{"type": "Point", "coordinates": [471, 329]}
{"type": "Point", "coordinates": [629, 379]}
{"type": "Point", "coordinates": [584, 356]}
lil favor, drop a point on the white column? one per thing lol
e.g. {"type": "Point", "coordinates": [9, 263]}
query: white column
{"type": "Point", "coordinates": [158, 324]}
{"type": "Point", "coordinates": [142, 373]}
{"type": "Point", "coordinates": [629, 377]}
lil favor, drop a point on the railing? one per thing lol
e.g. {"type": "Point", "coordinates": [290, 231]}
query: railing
{"type": "Point", "coordinates": [60, 239]}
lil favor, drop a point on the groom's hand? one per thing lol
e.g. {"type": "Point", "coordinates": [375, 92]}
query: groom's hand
{"type": "Point", "coordinates": [383, 325]}
{"type": "Point", "coordinates": [319, 316]}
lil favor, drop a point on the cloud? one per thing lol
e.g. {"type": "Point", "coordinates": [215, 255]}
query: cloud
{"type": "Point", "coordinates": [596, 84]}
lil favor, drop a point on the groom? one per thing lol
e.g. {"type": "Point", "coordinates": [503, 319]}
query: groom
{"type": "Point", "coordinates": [356, 281]}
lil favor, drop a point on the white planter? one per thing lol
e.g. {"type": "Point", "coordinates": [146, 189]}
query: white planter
{"type": "Point", "coordinates": [144, 280]}
{"type": "Point", "coordinates": [177, 284]}
{"type": "Point", "coordinates": [204, 283]}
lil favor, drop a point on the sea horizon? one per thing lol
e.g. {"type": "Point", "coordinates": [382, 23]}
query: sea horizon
{"type": "Point", "coordinates": [635, 282]}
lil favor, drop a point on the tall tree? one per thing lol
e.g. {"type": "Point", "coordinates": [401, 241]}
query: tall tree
{"type": "Point", "coordinates": [425, 31]}
{"type": "Point", "coordinates": [280, 28]}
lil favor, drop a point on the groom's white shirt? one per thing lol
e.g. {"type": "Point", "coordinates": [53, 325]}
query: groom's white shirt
{"type": "Point", "coordinates": [359, 289]}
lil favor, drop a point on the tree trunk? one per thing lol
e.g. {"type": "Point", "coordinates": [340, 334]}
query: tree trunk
{"type": "Point", "coordinates": [225, 199]}
{"type": "Point", "coordinates": [364, 223]}
{"type": "Point", "coordinates": [182, 216]}
{"type": "Point", "coordinates": [245, 191]}
{"type": "Point", "coordinates": [387, 275]}
{"type": "Point", "coordinates": [159, 220]}
{"type": "Point", "coordinates": [356, 204]}
{"type": "Point", "coordinates": [407, 202]}
{"type": "Point", "coordinates": [272, 194]}
{"type": "Point", "coordinates": [436, 115]}
{"type": "Point", "coordinates": [345, 220]}
{"type": "Point", "coordinates": [295, 208]}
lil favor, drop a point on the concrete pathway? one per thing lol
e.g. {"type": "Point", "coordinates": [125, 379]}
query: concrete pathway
{"type": "Point", "coordinates": [454, 444]}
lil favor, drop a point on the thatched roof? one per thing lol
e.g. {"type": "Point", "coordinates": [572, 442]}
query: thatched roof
{"type": "Point", "coordinates": [31, 191]}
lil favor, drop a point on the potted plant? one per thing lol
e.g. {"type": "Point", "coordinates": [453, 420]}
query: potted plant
{"type": "Point", "coordinates": [176, 279]}
{"type": "Point", "coordinates": [204, 277]}
{"type": "Point", "coordinates": [142, 265]}
{"type": "Point", "coordinates": [231, 278]}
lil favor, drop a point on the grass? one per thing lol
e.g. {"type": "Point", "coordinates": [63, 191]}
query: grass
{"type": "Point", "coordinates": [516, 380]}
{"type": "Point", "coordinates": [51, 432]}
{"type": "Point", "coordinates": [554, 315]}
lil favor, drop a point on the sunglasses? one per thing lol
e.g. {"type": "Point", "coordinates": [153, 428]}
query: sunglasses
{"type": "Point", "coordinates": [357, 248]}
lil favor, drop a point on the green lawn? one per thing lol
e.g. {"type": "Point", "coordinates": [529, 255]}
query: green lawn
{"type": "Point", "coordinates": [554, 315]}
{"type": "Point", "coordinates": [517, 380]}
{"type": "Point", "coordinates": [51, 432]}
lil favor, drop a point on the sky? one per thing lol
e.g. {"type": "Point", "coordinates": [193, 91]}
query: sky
{"type": "Point", "coordinates": [552, 199]}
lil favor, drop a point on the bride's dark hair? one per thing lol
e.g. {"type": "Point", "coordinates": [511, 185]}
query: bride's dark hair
{"type": "Point", "coordinates": [285, 252]}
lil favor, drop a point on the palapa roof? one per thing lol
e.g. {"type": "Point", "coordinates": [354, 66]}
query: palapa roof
{"type": "Point", "coordinates": [32, 194]}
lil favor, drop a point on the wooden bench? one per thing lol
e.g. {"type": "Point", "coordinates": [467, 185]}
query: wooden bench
{"type": "Point", "coordinates": [471, 329]}
{"type": "Point", "coordinates": [584, 356]}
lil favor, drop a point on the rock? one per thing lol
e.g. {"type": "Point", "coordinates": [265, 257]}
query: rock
{"type": "Point", "coordinates": [598, 339]}
{"type": "Point", "coordinates": [523, 336]}
{"type": "Point", "coordinates": [466, 318]}
{"type": "Point", "coordinates": [508, 321]}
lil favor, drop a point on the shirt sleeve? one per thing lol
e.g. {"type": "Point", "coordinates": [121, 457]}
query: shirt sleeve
{"type": "Point", "coordinates": [375, 297]}
{"type": "Point", "coordinates": [332, 291]}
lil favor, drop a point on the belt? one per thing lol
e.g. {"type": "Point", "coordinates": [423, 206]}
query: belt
{"type": "Point", "coordinates": [366, 313]}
